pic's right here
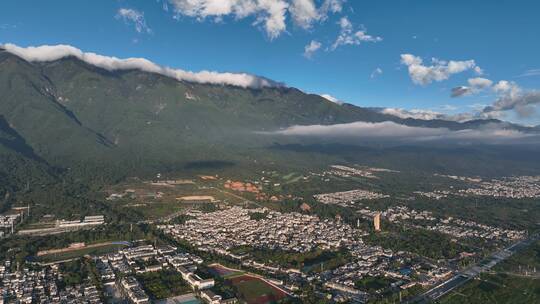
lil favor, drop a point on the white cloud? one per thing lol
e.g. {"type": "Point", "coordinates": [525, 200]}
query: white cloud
{"type": "Point", "coordinates": [414, 113]}
{"type": "Point", "coordinates": [448, 107]}
{"type": "Point", "coordinates": [274, 17]}
{"type": "Point", "coordinates": [375, 73]}
{"type": "Point", "coordinates": [135, 17]}
{"type": "Point", "coordinates": [47, 53]}
{"type": "Point", "coordinates": [523, 102]}
{"type": "Point", "coordinates": [428, 114]}
{"type": "Point", "coordinates": [530, 73]}
{"type": "Point", "coordinates": [480, 83]}
{"type": "Point", "coordinates": [387, 130]}
{"type": "Point", "coordinates": [478, 70]}
{"type": "Point", "coordinates": [311, 48]}
{"type": "Point", "coordinates": [271, 15]}
{"type": "Point", "coordinates": [510, 96]}
{"type": "Point", "coordinates": [304, 13]}
{"type": "Point", "coordinates": [439, 70]}
{"type": "Point", "coordinates": [476, 85]}
{"type": "Point", "coordinates": [505, 86]}
{"type": "Point", "coordinates": [331, 98]}
{"type": "Point", "coordinates": [7, 26]}
{"type": "Point", "coordinates": [347, 35]}
{"type": "Point", "coordinates": [332, 6]}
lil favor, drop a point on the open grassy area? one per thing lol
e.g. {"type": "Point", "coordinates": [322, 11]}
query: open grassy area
{"type": "Point", "coordinates": [292, 178]}
{"type": "Point", "coordinates": [525, 260]}
{"type": "Point", "coordinates": [78, 253]}
{"type": "Point", "coordinates": [372, 284]}
{"type": "Point", "coordinates": [429, 244]}
{"type": "Point", "coordinates": [163, 284]}
{"type": "Point", "coordinates": [499, 288]}
{"type": "Point", "coordinates": [151, 202]}
{"type": "Point", "coordinates": [315, 260]}
{"type": "Point", "coordinates": [155, 210]}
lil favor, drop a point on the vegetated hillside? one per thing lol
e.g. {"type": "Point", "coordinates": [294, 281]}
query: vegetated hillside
{"type": "Point", "coordinates": [73, 115]}
{"type": "Point", "coordinates": [20, 167]}
{"type": "Point", "coordinates": [70, 111]}
{"type": "Point", "coordinates": [28, 105]}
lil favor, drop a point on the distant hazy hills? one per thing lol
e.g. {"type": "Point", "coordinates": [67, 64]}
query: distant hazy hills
{"type": "Point", "coordinates": [68, 112]}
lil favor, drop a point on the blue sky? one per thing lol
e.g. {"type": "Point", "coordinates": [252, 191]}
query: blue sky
{"type": "Point", "coordinates": [502, 37]}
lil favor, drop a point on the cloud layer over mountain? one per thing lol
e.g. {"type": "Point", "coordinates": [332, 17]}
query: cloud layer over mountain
{"type": "Point", "coordinates": [390, 131]}
{"type": "Point", "coordinates": [48, 53]}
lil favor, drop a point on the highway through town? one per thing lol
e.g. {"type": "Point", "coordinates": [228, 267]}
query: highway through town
{"type": "Point", "coordinates": [464, 276]}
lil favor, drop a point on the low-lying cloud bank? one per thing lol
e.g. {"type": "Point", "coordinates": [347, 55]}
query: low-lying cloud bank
{"type": "Point", "coordinates": [47, 53]}
{"type": "Point", "coordinates": [414, 113]}
{"type": "Point", "coordinates": [390, 131]}
{"type": "Point", "coordinates": [430, 115]}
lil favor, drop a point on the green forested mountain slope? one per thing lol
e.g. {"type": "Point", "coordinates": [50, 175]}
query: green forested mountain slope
{"type": "Point", "coordinates": [20, 167]}
{"type": "Point", "coordinates": [71, 114]}
{"type": "Point", "coordinates": [28, 105]}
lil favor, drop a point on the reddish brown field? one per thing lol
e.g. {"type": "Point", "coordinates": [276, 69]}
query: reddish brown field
{"type": "Point", "coordinates": [256, 291]}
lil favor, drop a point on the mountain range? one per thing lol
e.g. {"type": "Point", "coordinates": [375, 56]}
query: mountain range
{"type": "Point", "coordinates": [67, 113]}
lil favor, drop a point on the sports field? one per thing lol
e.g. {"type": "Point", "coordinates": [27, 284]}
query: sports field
{"type": "Point", "coordinates": [254, 290]}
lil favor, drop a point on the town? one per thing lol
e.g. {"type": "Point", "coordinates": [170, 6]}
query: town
{"type": "Point", "coordinates": [451, 226]}
{"type": "Point", "coordinates": [217, 244]}
{"type": "Point", "coordinates": [348, 198]}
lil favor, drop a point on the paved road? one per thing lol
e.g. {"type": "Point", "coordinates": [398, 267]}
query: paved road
{"type": "Point", "coordinates": [463, 277]}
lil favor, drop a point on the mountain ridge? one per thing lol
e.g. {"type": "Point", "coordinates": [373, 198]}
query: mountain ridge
{"type": "Point", "coordinates": [414, 122]}
{"type": "Point", "coordinates": [73, 114]}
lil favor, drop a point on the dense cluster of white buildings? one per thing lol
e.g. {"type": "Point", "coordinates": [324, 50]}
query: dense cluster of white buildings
{"type": "Point", "coordinates": [518, 187]}
{"type": "Point", "coordinates": [436, 195]}
{"type": "Point", "coordinates": [515, 187]}
{"type": "Point", "coordinates": [345, 171]}
{"type": "Point", "coordinates": [401, 213]}
{"type": "Point", "coordinates": [8, 222]}
{"type": "Point", "coordinates": [60, 226]}
{"type": "Point", "coordinates": [41, 286]}
{"type": "Point", "coordinates": [148, 258]}
{"type": "Point", "coordinates": [462, 178]}
{"type": "Point", "coordinates": [452, 226]}
{"type": "Point", "coordinates": [226, 229]}
{"type": "Point", "coordinates": [466, 229]}
{"type": "Point", "coordinates": [91, 220]}
{"type": "Point", "coordinates": [233, 227]}
{"type": "Point", "coordinates": [348, 198]}
{"type": "Point", "coordinates": [142, 259]}
{"type": "Point", "coordinates": [134, 291]}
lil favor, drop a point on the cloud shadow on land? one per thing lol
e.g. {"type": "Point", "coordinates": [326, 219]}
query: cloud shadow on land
{"type": "Point", "coordinates": [208, 164]}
